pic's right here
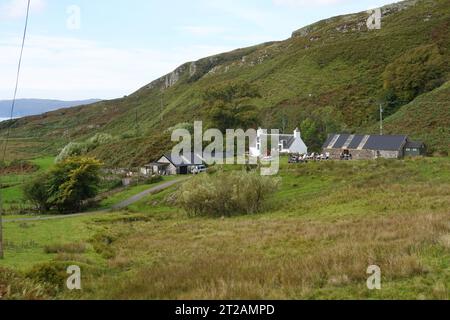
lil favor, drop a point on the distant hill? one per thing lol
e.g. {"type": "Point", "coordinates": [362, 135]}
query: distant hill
{"type": "Point", "coordinates": [30, 107]}
{"type": "Point", "coordinates": [333, 69]}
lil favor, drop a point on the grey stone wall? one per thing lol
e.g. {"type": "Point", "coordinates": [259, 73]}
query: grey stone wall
{"type": "Point", "coordinates": [335, 154]}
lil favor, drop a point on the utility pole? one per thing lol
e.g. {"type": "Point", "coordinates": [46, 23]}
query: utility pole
{"type": "Point", "coordinates": [381, 119]}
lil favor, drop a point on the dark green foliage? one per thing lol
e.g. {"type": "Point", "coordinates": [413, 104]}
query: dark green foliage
{"type": "Point", "coordinates": [37, 191]}
{"type": "Point", "coordinates": [390, 102]}
{"type": "Point", "coordinates": [230, 106]}
{"type": "Point", "coordinates": [415, 72]}
{"type": "Point", "coordinates": [66, 187]}
{"type": "Point", "coordinates": [316, 127]}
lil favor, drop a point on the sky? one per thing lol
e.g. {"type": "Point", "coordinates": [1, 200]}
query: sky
{"type": "Point", "coordinates": [80, 49]}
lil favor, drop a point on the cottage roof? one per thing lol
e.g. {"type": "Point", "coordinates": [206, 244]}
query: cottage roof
{"type": "Point", "coordinates": [415, 144]}
{"type": "Point", "coordinates": [287, 139]}
{"type": "Point", "coordinates": [185, 160]}
{"type": "Point", "coordinates": [367, 142]}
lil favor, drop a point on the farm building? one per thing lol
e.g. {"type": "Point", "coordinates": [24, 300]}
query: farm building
{"type": "Point", "coordinates": [167, 165]}
{"type": "Point", "coordinates": [363, 147]}
{"type": "Point", "coordinates": [288, 143]}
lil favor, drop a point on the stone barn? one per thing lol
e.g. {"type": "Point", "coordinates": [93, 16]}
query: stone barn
{"type": "Point", "coordinates": [366, 147]}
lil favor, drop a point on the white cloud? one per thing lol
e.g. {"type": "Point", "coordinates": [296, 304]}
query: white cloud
{"type": "Point", "coordinates": [70, 68]}
{"type": "Point", "coordinates": [15, 9]}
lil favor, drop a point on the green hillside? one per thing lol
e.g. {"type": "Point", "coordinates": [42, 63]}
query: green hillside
{"type": "Point", "coordinates": [335, 68]}
{"type": "Point", "coordinates": [426, 118]}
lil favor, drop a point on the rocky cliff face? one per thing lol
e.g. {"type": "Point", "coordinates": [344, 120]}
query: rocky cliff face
{"type": "Point", "coordinates": [352, 22]}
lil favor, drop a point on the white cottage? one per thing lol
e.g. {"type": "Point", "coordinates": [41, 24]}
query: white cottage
{"type": "Point", "coordinates": [288, 143]}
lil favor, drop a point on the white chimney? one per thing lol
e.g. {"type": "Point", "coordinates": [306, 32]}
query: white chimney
{"type": "Point", "coordinates": [259, 133]}
{"type": "Point", "coordinates": [297, 134]}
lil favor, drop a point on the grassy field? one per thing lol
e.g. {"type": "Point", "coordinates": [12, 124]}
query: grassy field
{"type": "Point", "coordinates": [321, 231]}
{"type": "Point", "coordinates": [129, 192]}
{"type": "Point", "coordinates": [13, 195]}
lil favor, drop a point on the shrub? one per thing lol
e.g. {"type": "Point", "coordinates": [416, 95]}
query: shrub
{"type": "Point", "coordinates": [226, 193]}
{"type": "Point", "coordinates": [67, 186]}
{"type": "Point", "coordinates": [153, 180]}
{"type": "Point", "coordinates": [74, 181]}
{"type": "Point", "coordinates": [37, 192]}
{"type": "Point", "coordinates": [76, 149]}
{"type": "Point", "coordinates": [51, 274]}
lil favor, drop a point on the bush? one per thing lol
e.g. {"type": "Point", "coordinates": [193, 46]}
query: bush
{"type": "Point", "coordinates": [76, 149]}
{"type": "Point", "coordinates": [51, 274]}
{"type": "Point", "coordinates": [67, 186]}
{"type": "Point", "coordinates": [153, 180]}
{"type": "Point", "coordinates": [37, 192]}
{"type": "Point", "coordinates": [226, 193]}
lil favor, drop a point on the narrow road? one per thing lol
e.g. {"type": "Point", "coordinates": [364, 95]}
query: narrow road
{"type": "Point", "coordinates": [145, 193]}
{"type": "Point", "coordinates": [118, 206]}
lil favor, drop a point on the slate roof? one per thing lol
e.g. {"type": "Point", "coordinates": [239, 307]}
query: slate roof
{"type": "Point", "coordinates": [415, 144]}
{"type": "Point", "coordinates": [287, 139]}
{"type": "Point", "coordinates": [193, 159]}
{"type": "Point", "coordinates": [373, 142]}
{"type": "Point", "coordinates": [189, 160]}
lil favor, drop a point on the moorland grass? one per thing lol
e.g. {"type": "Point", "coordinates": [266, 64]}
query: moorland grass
{"type": "Point", "coordinates": [325, 226]}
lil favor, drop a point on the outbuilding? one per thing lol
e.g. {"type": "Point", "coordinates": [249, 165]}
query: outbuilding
{"type": "Point", "coordinates": [366, 147]}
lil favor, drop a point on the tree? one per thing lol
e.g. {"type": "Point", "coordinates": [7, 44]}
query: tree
{"type": "Point", "coordinates": [74, 181]}
{"type": "Point", "coordinates": [310, 133]}
{"type": "Point", "coordinates": [37, 192]}
{"type": "Point", "coordinates": [67, 186]}
{"type": "Point", "coordinates": [417, 71]}
{"type": "Point", "coordinates": [230, 106]}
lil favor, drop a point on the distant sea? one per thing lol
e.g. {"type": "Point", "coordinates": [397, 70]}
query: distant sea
{"type": "Point", "coordinates": [3, 119]}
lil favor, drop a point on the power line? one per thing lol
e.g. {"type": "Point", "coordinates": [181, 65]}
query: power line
{"type": "Point", "coordinates": [8, 132]}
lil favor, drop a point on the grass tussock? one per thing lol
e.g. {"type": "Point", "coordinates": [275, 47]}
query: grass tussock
{"type": "Point", "coordinates": [69, 248]}
{"type": "Point", "coordinates": [14, 286]}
